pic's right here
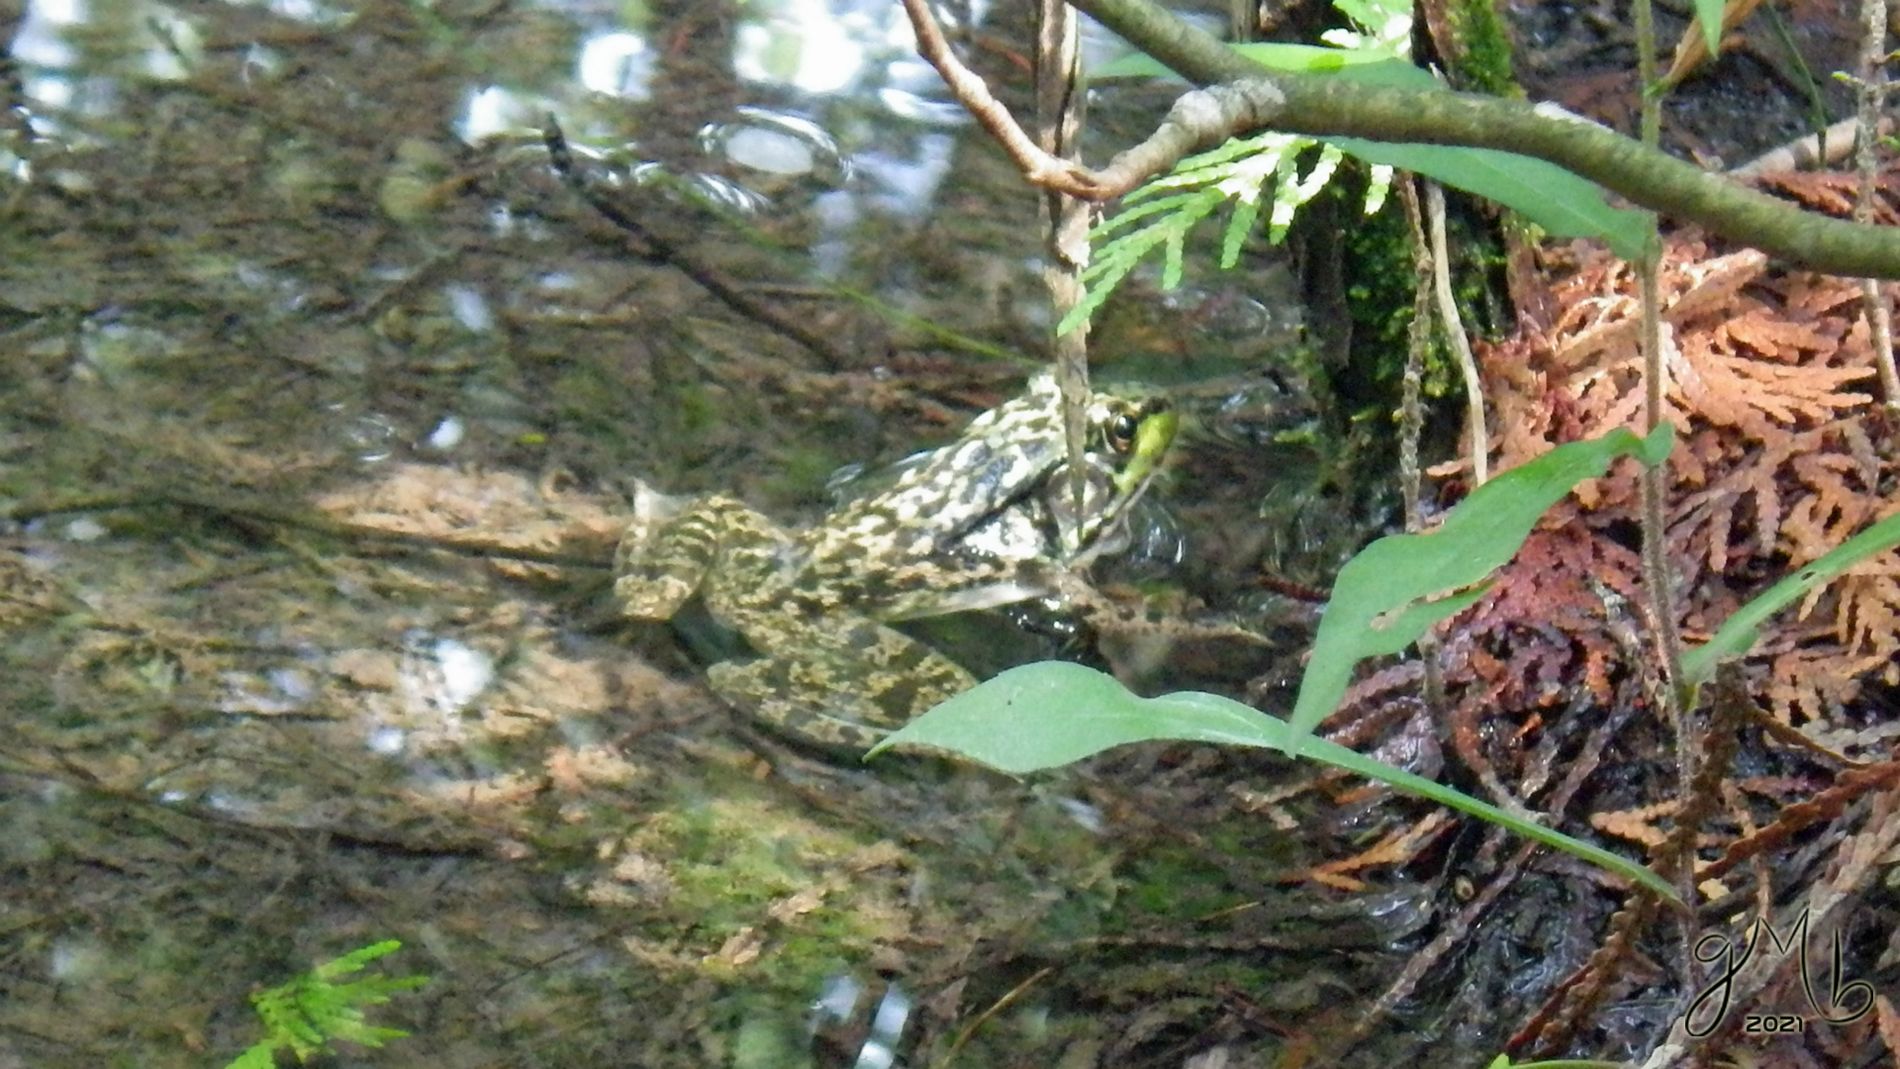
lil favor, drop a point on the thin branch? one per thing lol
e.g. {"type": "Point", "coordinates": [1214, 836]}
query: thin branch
{"type": "Point", "coordinates": [1873, 59]}
{"type": "Point", "coordinates": [1418, 342]}
{"type": "Point", "coordinates": [1455, 339]}
{"type": "Point", "coordinates": [968, 87]}
{"type": "Point", "coordinates": [1823, 148]}
{"type": "Point", "coordinates": [1412, 415]}
{"type": "Point", "coordinates": [1658, 577]}
{"type": "Point", "coordinates": [658, 248]}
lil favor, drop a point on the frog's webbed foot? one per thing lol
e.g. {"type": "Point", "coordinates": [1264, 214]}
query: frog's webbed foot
{"type": "Point", "coordinates": [845, 685]}
{"type": "Point", "coordinates": [672, 544]}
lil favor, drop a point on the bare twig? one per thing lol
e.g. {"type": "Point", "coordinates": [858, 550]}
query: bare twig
{"type": "Point", "coordinates": [1418, 341]}
{"type": "Point", "coordinates": [1805, 152]}
{"type": "Point", "coordinates": [1412, 415]}
{"type": "Point", "coordinates": [1658, 577]}
{"type": "Point", "coordinates": [1873, 57]}
{"type": "Point", "coordinates": [1065, 219]}
{"type": "Point", "coordinates": [658, 248]}
{"type": "Point", "coordinates": [1454, 326]}
{"type": "Point", "coordinates": [1038, 165]}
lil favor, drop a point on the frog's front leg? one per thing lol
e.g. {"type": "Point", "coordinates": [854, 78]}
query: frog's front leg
{"type": "Point", "coordinates": [840, 683]}
{"type": "Point", "coordinates": [667, 552]}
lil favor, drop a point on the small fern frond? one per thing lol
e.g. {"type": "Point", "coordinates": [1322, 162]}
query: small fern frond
{"type": "Point", "coordinates": [313, 1010]}
{"type": "Point", "coordinates": [355, 959]}
{"type": "Point", "coordinates": [258, 1056]}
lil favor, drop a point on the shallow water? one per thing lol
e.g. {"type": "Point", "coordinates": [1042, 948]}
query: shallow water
{"type": "Point", "coordinates": [277, 273]}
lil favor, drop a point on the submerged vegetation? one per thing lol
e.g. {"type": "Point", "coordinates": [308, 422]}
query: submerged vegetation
{"type": "Point", "coordinates": [309, 1012]}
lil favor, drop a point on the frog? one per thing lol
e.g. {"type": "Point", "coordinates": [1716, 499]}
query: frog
{"type": "Point", "coordinates": [988, 520]}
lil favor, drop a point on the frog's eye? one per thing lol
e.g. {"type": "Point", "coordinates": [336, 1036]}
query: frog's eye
{"type": "Point", "coordinates": [1121, 432]}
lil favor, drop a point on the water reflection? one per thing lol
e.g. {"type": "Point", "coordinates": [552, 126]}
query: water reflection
{"type": "Point", "coordinates": [72, 52]}
{"type": "Point", "coordinates": [837, 1006]}
{"type": "Point", "coordinates": [778, 144]}
{"type": "Point", "coordinates": [799, 61]}
{"type": "Point", "coordinates": [810, 45]}
{"type": "Point", "coordinates": [616, 63]}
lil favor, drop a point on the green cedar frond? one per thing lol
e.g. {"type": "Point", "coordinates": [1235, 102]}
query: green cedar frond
{"type": "Point", "coordinates": [1159, 215]}
{"type": "Point", "coordinates": [1239, 225]}
{"type": "Point", "coordinates": [1177, 214]}
{"type": "Point", "coordinates": [1165, 210]}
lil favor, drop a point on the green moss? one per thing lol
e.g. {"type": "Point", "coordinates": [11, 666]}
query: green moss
{"type": "Point", "coordinates": [732, 861]}
{"type": "Point", "coordinates": [801, 469]}
{"type": "Point", "coordinates": [1379, 285]}
{"type": "Point", "coordinates": [1169, 884]}
{"type": "Point", "coordinates": [1485, 66]}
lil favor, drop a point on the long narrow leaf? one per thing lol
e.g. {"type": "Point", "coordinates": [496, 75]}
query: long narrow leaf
{"type": "Point", "coordinates": [1738, 633]}
{"type": "Point", "coordinates": [1563, 203]}
{"type": "Point", "coordinates": [1365, 67]}
{"type": "Point", "coordinates": [1395, 588]}
{"type": "Point", "coordinates": [1053, 713]}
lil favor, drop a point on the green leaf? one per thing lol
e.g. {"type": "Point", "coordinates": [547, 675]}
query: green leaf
{"type": "Point", "coordinates": [1366, 67]}
{"type": "Point", "coordinates": [1709, 13]}
{"type": "Point", "coordinates": [1397, 587]}
{"type": "Point", "coordinates": [1738, 633]}
{"type": "Point", "coordinates": [1052, 713]}
{"type": "Point", "coordinates": [1553, 198]}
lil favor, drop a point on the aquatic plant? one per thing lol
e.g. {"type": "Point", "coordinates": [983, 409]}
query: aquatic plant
{"type": "Point", "coordinates": [317, 1008]}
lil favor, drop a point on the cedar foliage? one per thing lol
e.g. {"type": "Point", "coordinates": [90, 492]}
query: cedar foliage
{"type": "Point", "coordinates": [1783, 454]}
{"type": "Point", "coordinates": [1551, 691]}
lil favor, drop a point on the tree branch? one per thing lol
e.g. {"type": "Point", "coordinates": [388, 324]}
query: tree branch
{"type": "Point", "coordinates": [1319, 105]}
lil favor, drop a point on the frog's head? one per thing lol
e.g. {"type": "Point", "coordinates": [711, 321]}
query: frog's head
{"type": "Point", "coordinates": [1129, 435]}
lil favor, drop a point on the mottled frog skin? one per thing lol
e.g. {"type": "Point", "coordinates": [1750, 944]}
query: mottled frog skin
{"type": "Point", "coordinates": [987, 520]}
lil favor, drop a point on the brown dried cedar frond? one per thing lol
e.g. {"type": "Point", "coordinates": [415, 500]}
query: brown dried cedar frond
{"type": "Point", "coordinates": [1735, 360]}
{"type": "Point", "coordinates": [1543, 627]}
{"type": "Point", "coordinates": [1780, 456]}
{"type": "Point", "coordinates": [1833, 192]}
{"type": "Point", "coordinates": [1540, 639]}
{"type": "Point", "coordinates": [1838, 653]}
{"type": "Point", "coordinates": [1395, 849]}
{"type": "Point", "coordinates": [1887, 1026]}
{"type": "Point", "coordinates": [1867, 618]}
{"type": "Point", "coordinates": [1759, 383]}
{"type": "Point", "coordinates": [1640, 825]}
{"type": "Point", "coordinates": [1795, 496]}
{"type": "Point", "coordinates": [1827, 805]}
